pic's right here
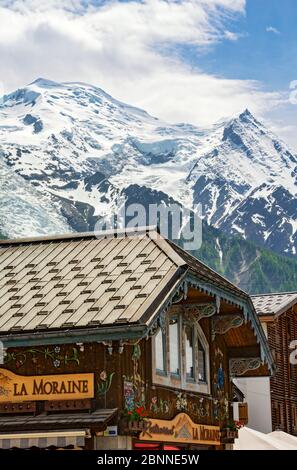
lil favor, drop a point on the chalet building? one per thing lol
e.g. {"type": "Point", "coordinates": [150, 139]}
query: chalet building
{"type": "Point", "coordinates": [272, 402]}
{"type": "Point", "coordinates": [120, 341]}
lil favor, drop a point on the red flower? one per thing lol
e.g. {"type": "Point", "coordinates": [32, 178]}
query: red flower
{"type": "Point", "coordinates": [238, 424]}
{"type": "Point", "coordinates": [141, 411]}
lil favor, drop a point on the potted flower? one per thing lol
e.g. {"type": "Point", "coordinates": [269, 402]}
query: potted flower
{"type": "Point", "coordinates": [232, 428]}
{"type": "Point", "coordinates": [135, 417]}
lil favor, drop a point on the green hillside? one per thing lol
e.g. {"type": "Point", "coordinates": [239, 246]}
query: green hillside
{"type": "Point", "coordinates": [254, 269]}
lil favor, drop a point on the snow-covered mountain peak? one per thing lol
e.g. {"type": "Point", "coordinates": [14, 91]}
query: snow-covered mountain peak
{"type": "Point", "coordinates": [45, 83]}
{"type": "Point", "coordinates": [81, 149]}
{"type": "Point", "coordinates": [247, 117]}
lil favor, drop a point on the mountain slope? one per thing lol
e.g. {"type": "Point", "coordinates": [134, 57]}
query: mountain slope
{"type": "Point", "coordinates": [76, 149]}
{"type": "Point", "coordinates": [71, 154]}
{"type": "Point", "coordinates": [251, 188]}
{"type": "Point", "coordinates": [254, 269]}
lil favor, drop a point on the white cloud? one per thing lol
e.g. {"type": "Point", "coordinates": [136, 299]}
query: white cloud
{"type": "Point", "coordinates": [231, 35]}
{"type": "Point", "coordinates": [271, 29]}
{"type": "Point", "coordinates": [282, 121]}
{"type": "Point", "coordinates": [128, 49]}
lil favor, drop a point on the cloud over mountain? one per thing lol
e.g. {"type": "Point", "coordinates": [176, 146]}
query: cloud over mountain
{"type": "Point", "coordinates": [133, 50]}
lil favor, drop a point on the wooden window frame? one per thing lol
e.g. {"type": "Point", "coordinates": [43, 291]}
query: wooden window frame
{"type": "Point", "coordinates": [181, 381]}
{"type": "Point", "coordinates": [175, 376]}
{"type": "Point", "coordinates": [164, 347]}
{"type": "Point", "coordinates": [188, 378]}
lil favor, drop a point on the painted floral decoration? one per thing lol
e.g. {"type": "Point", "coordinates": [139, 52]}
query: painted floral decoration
{"type": "Point", "coordinates": [105, 382]}
{"type": "Point", "coordinates": [54, 355]}
{"type": "Point", "coordinates": [103, 375]}
{"type": "Point", "coordinates": [159, 405]}
{"type": "Point", "coordinates": [182, 402]}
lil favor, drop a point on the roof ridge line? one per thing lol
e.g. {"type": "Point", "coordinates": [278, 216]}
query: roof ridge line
{"type": "Point", "coordinates": [165, 246]}
{"type": "Point", "coordinates": [274, 293]}
{"type": "Point", "coordinates": [76, 235]}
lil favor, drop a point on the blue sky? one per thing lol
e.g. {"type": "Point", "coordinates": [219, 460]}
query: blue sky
{"type": "Point", "coordinates": [195, 61]}
{"type": "Point", "coordinates": [266, 49]}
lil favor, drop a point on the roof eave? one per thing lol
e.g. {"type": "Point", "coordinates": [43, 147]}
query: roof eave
{"type": "Point", "coordinates": [84, 335]}
{"type": "Point", "coordinates": [244, 301]}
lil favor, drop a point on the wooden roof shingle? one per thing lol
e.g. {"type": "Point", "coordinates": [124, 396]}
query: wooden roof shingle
{"type": "Point", "coordinates": [274, 304]}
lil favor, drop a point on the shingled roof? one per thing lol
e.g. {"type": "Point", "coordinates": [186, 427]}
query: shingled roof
{"type": "Point", "coordinates": [274, 304]}
{"type": "Point", "coordinates": [106, 285]}
{"type": "Point", "coordinates": [81, 280]}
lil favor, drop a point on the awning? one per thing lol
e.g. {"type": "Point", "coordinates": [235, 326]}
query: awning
{"type": "Point", "coordinates": [249, 439]}
{"type": "Point", "coordinates": [97, 420]}
{"type": "Point", "coordinates": [284, 437]}
{"type": "Point", "coordinates": [44, 439]}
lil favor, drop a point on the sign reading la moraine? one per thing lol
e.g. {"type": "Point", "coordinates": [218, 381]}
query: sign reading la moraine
{"type": "Point", "coordinates": [16, 388]}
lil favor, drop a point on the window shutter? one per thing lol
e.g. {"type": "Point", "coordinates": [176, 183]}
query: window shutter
{"type": "Point", "coordinates": [243, 412]}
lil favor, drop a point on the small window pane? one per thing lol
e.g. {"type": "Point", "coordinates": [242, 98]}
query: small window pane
{"type": "Point", "coordinates": [201, 363]}
{"type": "Point", "coordinates": [189, 352]}
{"type": "Point", "coordinates": [160, 351]}
{"type": "Point", "coordinates": [174, 346]}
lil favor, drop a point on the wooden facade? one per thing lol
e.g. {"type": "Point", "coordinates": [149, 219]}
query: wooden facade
{"type": "Point", "coordinates": [284, 383]}
{"type": "Point", "coordinates": [280, 322]}
{"type": "Point", "coordinates": [120, 356]}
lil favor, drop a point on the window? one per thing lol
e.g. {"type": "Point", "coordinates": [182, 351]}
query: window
{"type": "Point", "coordinates": [181, 355]}
{"type": "Point", "coordinates": [201, 363]}
{"type": "Point", "coordinates": [160, 352]}
{"type": "Point", "coordinates": [174, 346]}
{"type": "Point", "coordinates": [189, 339]}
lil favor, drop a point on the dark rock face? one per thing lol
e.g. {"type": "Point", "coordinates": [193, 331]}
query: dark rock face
{"type": "Point", "coordinates": [94, 180]}
{"type": "Point", "coordinates": [37, 123]}
{"type": "Point", "coordinates": [266, 220]}
{"type": "Point", "coordinates": [79, 216]}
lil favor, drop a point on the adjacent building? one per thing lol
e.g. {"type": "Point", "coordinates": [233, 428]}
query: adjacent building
{"type": "Point", "coordinates": [120, 341]}
{"type": "Point", "coordinates": [272, 402]}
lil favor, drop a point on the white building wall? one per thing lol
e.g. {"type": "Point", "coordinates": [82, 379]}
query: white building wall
{"type": "Point", "coordinates": [257, 395]}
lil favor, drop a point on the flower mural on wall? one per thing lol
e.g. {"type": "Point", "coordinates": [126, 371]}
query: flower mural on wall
{"type": "Point", "coordinates": [134, 387]}
{"type": "Point", "coordinates": [104, 383]}
{"type": "Point", "coordinates": [54, 355]}
{"type": "Point", "coordinates": [220, 403]}
{"type": "Point", "coordinates": [200, 407]}
{"type": "Point", "coordinates": [129, 395]}
{"type": "Point", "coordinates": [158, 405]}
{"type": "Point", "coordinates": [220, 377]}
{"type": "Point", "coordinates": [103, 376]}
{"type": "Point", "coordinates": [204, 410]}
{"type": "Point", "coordinates": [182, 402]}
